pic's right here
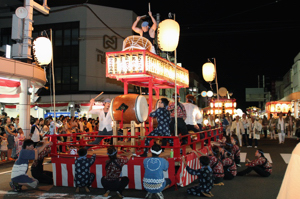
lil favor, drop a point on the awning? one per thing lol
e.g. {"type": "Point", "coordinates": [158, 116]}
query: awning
{"type": "Point", "coordinates": [293, 96]}
{"type": "Point", "coordinates": [10, 87]}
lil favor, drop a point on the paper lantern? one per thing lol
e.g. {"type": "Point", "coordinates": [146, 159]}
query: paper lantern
{"type": "Point", "coordinates": [210, 93]}
{"type": "Point", "coordinates": [42, 50]}
{"type": "Point", "coordinates": [168, 35]}
{"type": "Point", "coordinates": [208, 72]}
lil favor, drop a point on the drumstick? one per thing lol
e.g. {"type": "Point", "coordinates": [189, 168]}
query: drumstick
{"type": "Point", "coordinates": [149, 7]}
{"type": "Point", "coordinates": [98, 95]}
{"type": "Point", "coordinates": [143, 16]}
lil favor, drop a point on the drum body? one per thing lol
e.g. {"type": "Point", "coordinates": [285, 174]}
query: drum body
{"type": "Point", "coordinates": [136, 42]}
{"type": "Point", "coordinates": [134, 106]}
{"type": "Point", "coordinates": [154, 107]}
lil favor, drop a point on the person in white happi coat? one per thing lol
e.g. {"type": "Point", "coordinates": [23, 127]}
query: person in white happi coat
{"type": "Point", "coordinates": [254, 131]}
{"type": "Point", "coordinates": [192, 113]}
{"type": "Point", "coordinates": [245, 122]}
{"type": "Point", "coordinates": [281, 128]}
{"type": "Point", "coordinates": [105, 121]}
{"type": "Point", "coordinates": [237, 128]}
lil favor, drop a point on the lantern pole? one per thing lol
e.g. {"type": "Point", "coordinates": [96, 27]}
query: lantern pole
{"type": "Point", "coordinates": [216, 80]}
{"type": "Point", "coordinates": [175, 62]}
{"type": "Point", "coordinates": [53, 81]}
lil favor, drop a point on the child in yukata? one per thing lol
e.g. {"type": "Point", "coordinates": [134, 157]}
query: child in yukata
{"type": "Point", "coordinates": [163, 119]}
{"type": "Point", "coordinates": [19, 170]}
{"type": "Point", "coordinates": [83, 177]}
{"type": "Point", "coordinates": [205, 177]}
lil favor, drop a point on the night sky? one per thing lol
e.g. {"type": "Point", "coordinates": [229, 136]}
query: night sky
{"type": "Point", "coordinates": [247, 38]}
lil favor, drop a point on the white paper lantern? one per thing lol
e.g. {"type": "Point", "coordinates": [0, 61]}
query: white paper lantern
{"type": "Point", "coordinates": [210, 94]}
{"type": "Point", "coordinates": [209, 72]}
{"type": "Point", "coordinates": [42, 50]}
{"type": "Point", "coordinates": [168, 35]}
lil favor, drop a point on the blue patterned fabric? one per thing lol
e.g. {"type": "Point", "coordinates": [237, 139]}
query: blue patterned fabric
{"type": "Point", "coordinates": [163, 129]}
{"type": "Point", "coordinates": [154, 180]}
{"type": "Point", "coordinates": [83, 177]}
{"type": "Point", "coordinates": [205, 178]}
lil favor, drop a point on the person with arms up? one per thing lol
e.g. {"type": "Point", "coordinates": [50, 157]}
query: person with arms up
{"type": "Point", "coordinates": [205, 177]}
{"type": "Point", "coordinates": [113, 181]}
{"type": "Point", "coordinates": [105, 121]}
{"type": "Point", "coordinates": [145, 31]}
{"type": "Point", "coordinates": [83, 176]}
{"type": "Point", "coordinates": [19, 170]}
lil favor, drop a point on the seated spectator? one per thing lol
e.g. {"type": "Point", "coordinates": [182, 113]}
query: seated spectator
{"type": "Point", "coordinates": [154, 181]}
{"type": "Point", "coordinates": [260, 165]}
{"type": "Point", "coordinates": [205, 177]}
{"type": "Point", "coordinates": [112, 181]}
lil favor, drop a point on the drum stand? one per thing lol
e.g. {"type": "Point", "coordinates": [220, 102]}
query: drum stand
{"type": "Point", "coordinates": [133, 129]}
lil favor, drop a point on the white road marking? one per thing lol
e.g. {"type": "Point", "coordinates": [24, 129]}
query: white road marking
{"type": "Point", "coordinates": [56, 195]}
{"type": "Point", "coordinates": [286, 157]}
{"type": "Point", "coordinates": [243, 157]}
{"type": "Point", "coordinates": [267, 155]}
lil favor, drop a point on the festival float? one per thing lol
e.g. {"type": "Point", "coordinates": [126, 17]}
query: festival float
{"type": "Point", "coordinates": [134, 65]}
{"type": "Point", "coordinates": [276, 107]}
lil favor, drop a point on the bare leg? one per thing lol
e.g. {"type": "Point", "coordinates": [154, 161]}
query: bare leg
{"type": "Point", "coordinates": [9, 151]}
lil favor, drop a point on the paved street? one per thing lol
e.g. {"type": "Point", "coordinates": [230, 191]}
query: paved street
{"type": "Point", "coordinates": [246, 187]}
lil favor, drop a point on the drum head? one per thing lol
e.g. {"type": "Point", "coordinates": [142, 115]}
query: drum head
{"type": "Point", "coordinates": [111, 110]}
{"type": "Point", "coordinates": [141, 109]}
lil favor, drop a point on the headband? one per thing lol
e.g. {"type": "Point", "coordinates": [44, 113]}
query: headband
{"type": "Point", "coordinates": [190, 100]}
{"type": "Point", "coordinates": [112, 153]}
{"type": "Point", "coordinates": [156, 152]}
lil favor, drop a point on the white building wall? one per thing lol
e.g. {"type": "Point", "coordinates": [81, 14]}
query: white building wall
{"type": "Point", "coordinates": [92, 74]}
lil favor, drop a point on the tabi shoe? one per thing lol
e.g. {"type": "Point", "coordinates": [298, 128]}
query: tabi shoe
{"type": "Point", "coordinates": [219, 184]}
{"type": "Point", "coordinates": [120, 195]}
{"type": "Point", "coordinates": [87, 189]}
{"type": "Point", "coordinates": [148, 195]}
{"type": "Point", "coordinates": [206, 194]}
{"type": "Point", "coordinates": [106, 193]}
{"type": "Point", "coordinates": [160, 195]}
{"type": "Point", "coordinates": [238, 165]}
{"type": "Point", "coordinates": [77, 190]}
